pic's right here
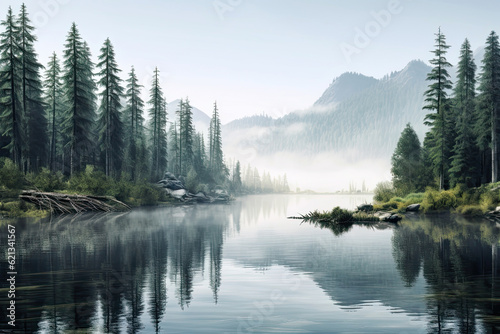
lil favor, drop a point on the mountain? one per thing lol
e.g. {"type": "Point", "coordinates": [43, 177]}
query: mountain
{"type": "Point", "coordinates": [358, 119]}
{"type": "Point", "coordinates": [344, 87]}
{"type": "Point", "coordinates": [201, 121]}
{"type": "Point", "coordinates": [355, 113]}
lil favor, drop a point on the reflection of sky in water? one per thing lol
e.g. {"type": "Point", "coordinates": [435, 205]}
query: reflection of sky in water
{"type": "Point", "coordinates": [244, 267]}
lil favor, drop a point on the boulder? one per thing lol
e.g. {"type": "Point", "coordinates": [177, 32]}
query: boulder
{"type": "Point", "coordinates": [179, 193]}
{"type": "Point", "coordinates": [365, 207]}
{"type": "Point", "coordinates": [413, 208]}
{"type": "Point", "coordinates": [394, 218]}
{"type": "Point", "coordinates": [388, 217]}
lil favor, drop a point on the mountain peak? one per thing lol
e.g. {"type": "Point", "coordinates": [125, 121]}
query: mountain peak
{"type": "Point", "coordinates": [345, 86]}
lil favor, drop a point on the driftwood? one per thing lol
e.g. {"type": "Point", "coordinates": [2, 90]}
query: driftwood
{"type": "Point", "coordinates": [64, 203]}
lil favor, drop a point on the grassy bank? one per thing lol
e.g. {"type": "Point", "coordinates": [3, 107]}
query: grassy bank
{"type": "Point", "coordinates": [89, 182]}
{"type": "Point", "coordinates": [460, 200]}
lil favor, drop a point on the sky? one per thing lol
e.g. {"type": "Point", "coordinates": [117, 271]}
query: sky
{"type": "Point", "coordinates": [259, 56]}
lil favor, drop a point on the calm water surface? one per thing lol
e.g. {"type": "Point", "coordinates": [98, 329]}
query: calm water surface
{"type": "Point", "coordinates": [244, 268]}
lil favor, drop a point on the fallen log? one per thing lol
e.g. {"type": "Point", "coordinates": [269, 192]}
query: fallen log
{"type": "Point", "coordinates": [64, 203]}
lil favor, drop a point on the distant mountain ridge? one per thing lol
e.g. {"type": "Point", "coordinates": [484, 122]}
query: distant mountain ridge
{"type": "Point", "coordinates": [355, 113]}
{"type": "Point", "coordinates": [344, 87]}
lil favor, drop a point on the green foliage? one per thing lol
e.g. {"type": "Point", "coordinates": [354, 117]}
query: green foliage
{"type": "Point", "coordinates": [414, 198]}
{"type": "Point", "coordinates": [80, 100]}
{"type": "Point", "coordinates": [489, 200]}
{"type": "Point", "coordinates": [407, 163]}
{"type": "Point", "coordinates": [91, 182]}
{"type": "Point", "coordinates": [441, 140]}
{"type": "Point", "coordinates": [10, 176]}
{"type": "Point", "coordinates": [12, 117]}
{"type": "Point", "coordinates": [439, 200]}
{"type": "Point", "coordinates": [384, 191]}
{"type": "Point", "coordinates": [470, 210]}
{"type": "Point", "coordinates": [110, 126]}
{"type": "Point", "coordinates": [157, 128]}
{"type": "Point", "coordinates": [336, 215]}
{"type": "Point", "coordinates": [465, 165]}
{"type": "Point", "coordinates": [192, 179]}
{"type": "Point", "coordinates": [47, 180]}
{"type": "Point", "coordinates": [488, 103]}
{"type": "Point", "coordinates": [146, 194]}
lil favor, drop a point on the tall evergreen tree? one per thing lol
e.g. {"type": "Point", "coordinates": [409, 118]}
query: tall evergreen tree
{"type": "Point", "coordinates": [436, 98]}
{"type": "Point", "coordinates": [216, 157]}
{"type": "Point", "coordinates": [110, 122]}
{"type": "Point", "coordinates": [53, 100]}
{"type": "Point", "coordinates": [465, 152]}
{"type": "Point", "coordinates": [407, 162]}
{"type": "Point", "coordinates": [79, 88]}
{"type": "Point", "coordinates": [12, 116]}
{"type": "Point", "coordinates": [186, 133]}
{"type": "Point", "coordinates": [489, 101]}
{"type": "Point", "coordinates": [158, 133]}
{"type": "Point", "coordinates": [31, 100]}
{"type": "Point", "coordinates": [174, 149]}
{"type": "Point", "coordinates": [134, 127]}
{"type": "Point", "coordinates": [237, 178]}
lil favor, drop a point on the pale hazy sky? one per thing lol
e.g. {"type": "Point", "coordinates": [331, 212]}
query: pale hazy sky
{"type": "Point", "coordinates": [255, 56]}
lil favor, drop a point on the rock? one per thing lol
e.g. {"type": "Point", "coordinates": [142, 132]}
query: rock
{"type": "Point", "coordinates": [171, 182]}
{"type": "Point", "coordinates": [388, 217]}
{"type": "Point", "coordinates": [393, 218]}
{"type": "Point", "coordinates": [365, 207]}
{"type": "Point", "coordinates": [169, 176]}
{"type": "Point", "coordinates": [413, 208]}
{"type": "Point", "coordinates": [179, 193]}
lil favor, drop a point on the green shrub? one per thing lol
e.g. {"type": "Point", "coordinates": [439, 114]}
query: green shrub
{"type": "Point", "coordinates": [470, 210]}
{"type": "Point", "coordinates": [439, 200]}
{"type": "Point", "coordinates": [146, 194]}
{"type": "Point", "coordinates": [341, 215]}
{"type": "Point", "coordinates": [414, 198]}
{"type": "Point", "coordinates": [10, 176]}
{"type": "Point", "coordinates": [47, 181]}
{"type": "Point", "coordinates": [488, 200]}
{"type": "Point", "coordinates": [91, 182]}
{"type": "Point", "coordinates": [384, 191]}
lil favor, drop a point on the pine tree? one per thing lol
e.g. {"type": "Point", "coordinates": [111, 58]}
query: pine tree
{"type": "Point", "coordinates": [134, 127]}
{"type": "Point", "coordinates": [31, 100]}
{"type": "Point", "coordinates": [11, 114]}
{"type": "Point", "coordinates": [216, 157]}
{"type": "Point", "coordinates": [465, 152]}
{"type": "Point", "coordinates": [110, 123]}
{"type": "Point", "coordinates": [237, 184]}
{"type": "Point", "coordinates": [186, 132]}
{"type": "Point", "coordinates": [199, 156]}
{"type": "Point", "coordinates": [407, 162]}
{"type": "Point", "coordinates": [79, 89]}
{"type": "Point", "coordinates": [174, 149]}
{"type": "Point", "coordinates": [489, 102]}
{"type": "Point", "coordinates": [438, 103]}
{"type": "Point", "coordinates": [53, 100]}
{"type": "Point", "coordinates": [158, 134]}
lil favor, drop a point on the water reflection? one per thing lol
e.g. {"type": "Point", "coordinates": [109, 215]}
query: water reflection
{"type": "Point", "coordinates": [200, 269]}
{"type": "Point", "coordinates": [459, 260]}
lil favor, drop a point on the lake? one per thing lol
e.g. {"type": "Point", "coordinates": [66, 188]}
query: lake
{"type": "Point", "coordinates": [243, 267]}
